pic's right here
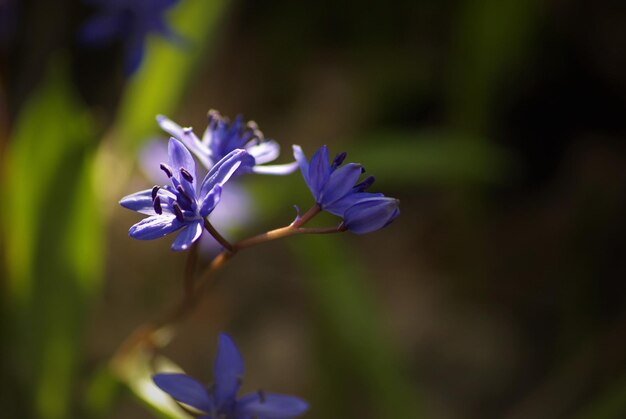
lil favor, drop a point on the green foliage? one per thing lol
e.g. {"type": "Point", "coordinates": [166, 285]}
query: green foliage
{"type": "Point", "coordinates": [491, 40]}
{"type": "Point", "coordinates": [158, 86]}
{"type": "Point", "coordinates": [353, 341]}
{"type": "Point", "coordinates": [54, 229]}
{"type": "Point", "coordinates": [435, 157]}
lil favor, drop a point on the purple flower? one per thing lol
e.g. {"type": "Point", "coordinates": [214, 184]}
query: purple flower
{"type": "Point", "coordinates": [220, 138]}
{"type": "Point", "coordinates": [130, 21]}
{"type": "Point", "coordinates": [233, 212]}
{"type": "Point", "coordinates": [181, 206]}
{"type": "Point", "coordinates": [336, 190]}
{"type": "Point", "coordinates": [219, 401]}
{"type": "Point", "coordinates": [371, 214]}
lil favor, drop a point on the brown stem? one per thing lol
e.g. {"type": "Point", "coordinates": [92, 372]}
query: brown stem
{"type": "Point", "coordinates": [312, 212]}
{"type": "Point", "coordinates": [195, 289]}
{"type": "Point", "coordinates": [225, 243]}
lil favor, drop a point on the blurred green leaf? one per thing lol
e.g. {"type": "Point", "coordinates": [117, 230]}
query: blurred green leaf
{"type": "Point", "coordinates": [435, 157]}
{"type": "Point", "coordinates": [100, 393]}
{"type": "Point", "coordinates": [55, 255]}
{"type": "Point", "coordinates": [160, 82]}
{"type": "Point", "coordinates": [136, 368]}
{"type": "Point", "coordinates": [350, 322]}
{"type": "Point", "coordinates": [492, 39]}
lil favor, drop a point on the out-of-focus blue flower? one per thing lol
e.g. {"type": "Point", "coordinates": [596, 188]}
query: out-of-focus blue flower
{"type": "Point", "coordinates": [181, 206]}
{"type": "Point", "coordinates": [130, 21]}
{"type": "Point", "coordinates": [220, 138]}
{"type": "Point", "coordinates": [219, 401]}
{"type": "Point", "coordinates": [8, 21]}
{"type": "Point", "coordinates": [336, 190]}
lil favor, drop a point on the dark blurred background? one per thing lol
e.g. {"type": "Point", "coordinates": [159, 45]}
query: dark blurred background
{"type": "Point", "coordinates": [498, 293]}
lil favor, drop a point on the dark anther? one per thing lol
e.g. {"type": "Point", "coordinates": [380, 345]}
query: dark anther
{"type": "Point", "coordinates": [182, 192]}
{"type": "Point", "coordinates": [155, 189]}
{"type": "Point", "coordinates": [156, 202]}
{"type": "Point", "coordinates": [367, 182]}
{"type": "Point", "coordinates": [339, 158]}
{"type": "Point", "coordinates": [187, 130]}
{"type": "Point", "coordinates": [166, 169]}
{"type": "Point", "coordinates": [186, 175]}
{"type": "Point", "coordinates": [262, 396]}
{"type": "Point", "coordinates": [178, 212]}
{"type": "Point", "coordinates": [362, 169]}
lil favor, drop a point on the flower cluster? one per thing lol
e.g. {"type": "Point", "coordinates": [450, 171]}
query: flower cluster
{"type": "Point", "coordinates": [226, 150]}
{"type": "Point", "coordinates": [219, 401]}
{"type": "Point", "coordinates": [336, 190]}
{"type": "Point", "coordinates": [221, 137]}
{"type": "Point", "coordinates": [239, 148]}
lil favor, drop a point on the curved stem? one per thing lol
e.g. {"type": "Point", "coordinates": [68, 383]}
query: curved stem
{"type": "Point", "coordinates": [312, 212]}
{"type": "Point", "coordinates": [225, 243]}
{"type": "Point", "coordinates": [195, 289]}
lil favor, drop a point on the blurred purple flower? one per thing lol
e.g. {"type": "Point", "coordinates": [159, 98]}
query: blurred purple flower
{"type": "Point", "coordinates": [336, 190]}
{"type": "Point", "coordinates": [220, 400]}
{"type": "Point", "coordinates": [220, 138]}
{"type": "Point", "coordinates": [181, 206]}
{"type": "Point", "coordinates": [8, 21]}
{"type": "Point", "coordinates": [130, 21]}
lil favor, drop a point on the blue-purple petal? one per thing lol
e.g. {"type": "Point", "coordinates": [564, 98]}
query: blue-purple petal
{"type": "Point", "coordinates": [185, 389]}
{"type": "Point", "coordinates": [340, 183]}
{"type": "Point", "coordinates": [187, 236]}
{"type": "Point", "coordinates": [228, 370]}
{"type": "Point", "coordinates": [270, 406]}
{"type": "Point", "coordinates": [180, 157]}
{"type": "Point", "coordinates": [340, 206]}
{"type": "Point", "coordinates": [371, 214]}
{"type": "Point", "coordinates": [139, 201]}
{"type": "Point", "coordinates": [210, 201]}
{"type": "Point", "coordinates": [319, 171]}
{"type": "Point", "coordinates": [188, 137]}
{"type": "Point", "coordinates": [154, 227]}
{"type": "Point", "coordinates": [222, 171]}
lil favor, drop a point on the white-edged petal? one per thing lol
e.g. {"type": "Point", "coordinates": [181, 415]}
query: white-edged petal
{"type": "Point", "coordinates": [188, 137]}
{"type": "Point", "coordinates": [264, 152]}
{"type": "Point", "coordinates": [276, 169]}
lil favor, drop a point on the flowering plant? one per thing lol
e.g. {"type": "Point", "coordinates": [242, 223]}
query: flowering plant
{"type": "Point", "coordinates": [227, 150]}
{"type": "Point", "coordinates": [220, 399]}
